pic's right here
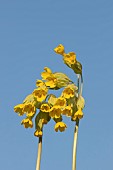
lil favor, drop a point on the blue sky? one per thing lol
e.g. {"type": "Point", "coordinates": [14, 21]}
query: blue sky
{"type": "Point", "coordinates": [29, 31]}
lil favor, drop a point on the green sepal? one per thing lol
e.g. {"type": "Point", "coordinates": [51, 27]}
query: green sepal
{"type": "Point", "coordinates": [52, 99]}
{"type": "Point", "coordinates": [77, 67]}
{"type": "Point", "coordinates": [62, 79]}
{"type": "Point", "coordinates": [39, 119]}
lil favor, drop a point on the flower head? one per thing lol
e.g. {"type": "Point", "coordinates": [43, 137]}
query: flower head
{"type": "Point", "coordinates": [61, 126]}
{"type": "Point", "coordinates": [68, 92]}
{"type": "Point", "coordinates": [69, 59]}
{"type": "Point", "coordinates": [19, 109]}
{"type": "Point", "coordinates": [59, 49]}
{"type": "Point", "coordinates": [45, 107]}
{"type": "Point", "coordinates": [38, 133]}
{"type": "Point", "coordinates": [61, 102]}
{"type": "Point", "coordinates": [27, 122]}
{"type": "Point", "coordinates": [39, 83]}
{"type": "Point", "coordinates": [78, 115]}
{"type": "Point", "coordinates": [40, 93]}
{"type": "Point", "coordinates": [29, 109]}
{"type": "Point", "coordinates": [67, 111]}
{"type": "Point", "coordinates": [55, 112]}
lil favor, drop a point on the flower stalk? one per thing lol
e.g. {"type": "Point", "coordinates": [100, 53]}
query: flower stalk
{"type": "Point", "coordinates": [80, 86]}
{"type": "Point", "coordinates": [39, 153]}
{"type": "Point", "coordinates": [75, 145]}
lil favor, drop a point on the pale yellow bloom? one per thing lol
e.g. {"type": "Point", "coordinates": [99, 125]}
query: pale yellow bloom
{"type": "Point", "coordinates": [45, 107]}
{"type": "Point", "coordinates": [38, 133]}
{"type": "Point", "coordinates": [79, 114]}
{"type": "Point", "coordinates": [49, 77]}
{"type": "Point", "coordinates": [67, 111]}
{"type": "Point", "coordinates": [61, 102]}
{"type": "Point", "coordinates": [27, 122]}
{"type": "Point", "coordinates": [19, 109]}
{"type": "Point", "coordinates": [69, 58]}
{"type": "Point", "coordinates": [40, 93]}
{"type": "Point", "coordinates": [47, 73]}
{"type": "Point", "coordinates": [29, 109]}
{"type": "Point", "coordinates": [61, 126]}
{"type": "Point", "coordinates": [59, 49]}
{"type": "Point", "coordinates": [55, 112]}
{"type": "Point", "coordinates": [39, 83]}
{"type": "Point", "coordinates": [68, 92]}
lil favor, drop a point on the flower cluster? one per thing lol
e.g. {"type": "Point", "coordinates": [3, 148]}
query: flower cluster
{"type": "Point", "coordinates": [44, 106]}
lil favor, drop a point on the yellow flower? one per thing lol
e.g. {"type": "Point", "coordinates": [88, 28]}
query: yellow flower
{"type": "Point", "coordinates": [29, 109]}
{"type": "Point", "coordinates": [19, 109]}
{"type": "Point", "coordinates": [47, 73]}
{"type": "Point", "coordinates": [68, 92]}
{"type": "Point", "coordinates": [39, 83]}
{"type": "Point", "coordinates": [45, 107]}
{"type": "Point", "coordinates": [61, 102]}
{"type": "Point", "coordinates": [61, 126]}
{"type": "Point", "coordinates": [27, 122]}
{"type": "Point", "coordinates": [69, 58]}
{"type": "Point", "coordinates": [55, 112]}
{"type": "Point", "coordinates": [49, 77]}
{"type": "Point", "coordinates": [40, 93]}
{"type": "Point", "coordinates": [79, 114]}
{"type": "Point", "coordinates": [59, 49]}
{"type": "Point", "coordinates": [67, 111]}
{"type": "Point", "coordinates": [51, 82]}
{"type": "Point", "coordinates": [38, 133]}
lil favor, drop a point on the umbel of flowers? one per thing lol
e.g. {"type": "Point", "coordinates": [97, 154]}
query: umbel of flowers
{"type": "Point", "coordinates": [42, 106]}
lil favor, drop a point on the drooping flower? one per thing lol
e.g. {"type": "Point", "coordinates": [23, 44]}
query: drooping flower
{"type": "Point", "coordinates": [67, 111]}
{"type": "Point", "coordinates": [55, 112]}
{"type": "Point", "coordinates": [38, 133]}
{"type": "Point", "coordinates": [68, 92]}
{"type": "Point", "coordinates": [29, 109]}
{"type": "Point", "coordinates": [69, 59]}
{"type": "Point", "coordinates": [78, 115]}
{"type": "Point", "coordinates": [39, 83]}
{"type": "Point", "coordinates": [19, 109]}
{"type": "Point", "coordinates": [61, 102]}
{"type": "Point", "coordinates": [27, 122]}
{"type": "Point", "coordinates": [59, 49]}
{"type": "Point", "coordinates": [40, 93]}
{"type": "Point", "coordinates": [48, 76]}
{"type": "Point", "coordinates": [61, 126]}
{"type": "Point", "coordinates": [45, 107]}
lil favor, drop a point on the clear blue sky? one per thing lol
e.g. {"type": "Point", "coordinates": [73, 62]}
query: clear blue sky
{"type": "Point", "coordinates": [29, 31]}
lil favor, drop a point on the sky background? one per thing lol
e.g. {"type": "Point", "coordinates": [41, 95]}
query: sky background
{"type": "Point", "coordinates": [29, 31]}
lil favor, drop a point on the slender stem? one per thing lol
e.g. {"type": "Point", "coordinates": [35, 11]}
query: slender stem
{"type": "Point", "coordinates": [39, 154]}
{"type": "Point", "coordinates": [75, 145]}
{"type": "Point", "coordinates": [80, 87]}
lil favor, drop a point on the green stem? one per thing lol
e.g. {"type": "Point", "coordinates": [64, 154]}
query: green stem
{"type": "Point", "coordinates": [39, 154]}
{"type": "Point", "coordinates": [75, 145]}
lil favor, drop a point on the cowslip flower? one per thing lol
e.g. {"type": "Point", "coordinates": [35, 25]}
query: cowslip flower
{"type": "Point", "coordinates": [59, 49]}
{"type": "Point", "coordinates": [38, 133]}
{"type": "Point", "coordinates": [40, 93]}
{"type": "Point", "coordinates": [61, 126]}
{"type": "Point", "coordinates": [61, 102]}
{"type": "Point", "coordinates": [45, 107]}
{"type": "Point", "coordinates": [68, 92]}
{"type": "Point", "coordinates": [67, 111]}
{"type": "Point", "coordinates": [55, 112]}
{"type": "Point", "coordinates": [19, 109]}
{"type": "Point", "coordinates": [29, 109]}
{"type": "Point", "coordinates": [27, 122]}
{"type": "Point", "coordinates": [78, 115]}
{"type": "Point", "coordinates": [39, 83]}
{"type": "Point", "coordinates": [69, 59]}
